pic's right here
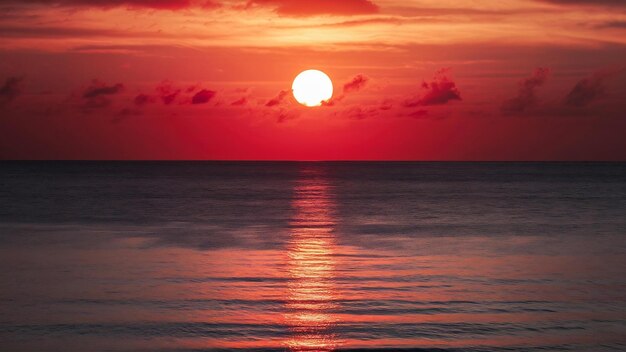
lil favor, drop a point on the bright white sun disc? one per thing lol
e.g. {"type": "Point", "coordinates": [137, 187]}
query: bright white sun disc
{"type": "Point", "coordinates": [312, 87]}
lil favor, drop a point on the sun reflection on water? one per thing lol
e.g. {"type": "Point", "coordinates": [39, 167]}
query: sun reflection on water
{"type": "Point", "coordinates": [311, 265]}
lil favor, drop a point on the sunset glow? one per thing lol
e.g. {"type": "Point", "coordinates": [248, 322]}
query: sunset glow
{"type": "Point", "coordinates": [413, 80]}
{"type": "Point", "coordinates": [312, 175]}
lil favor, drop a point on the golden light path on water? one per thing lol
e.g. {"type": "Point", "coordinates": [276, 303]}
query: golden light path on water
{"type": "Point", "coordinates": [311, 265]}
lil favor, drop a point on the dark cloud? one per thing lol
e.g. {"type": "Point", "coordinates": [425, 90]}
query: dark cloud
{"type": "Point", "coordinates": [526, 94]}
{"type": "Point", "coordinates": [98, 88]}
{"type": "Point", "coordinates": [10, 89]}
{"type": "Point", "coordinates": [167, 99]}
{"type": "Point", "coordinates": [333, 101]}
{"type": "Point", "coordinates": [143, 99]}
{"type": "Point", "coordinates": [97, 95]}
{"type": "Point", "coordinates": [167, 92]}
{"type": "Point", "coordinates": [590, 88]}
{"type": "Point", "coordinates": [154, 4]}
{"type": "Point", "coordinates": [240, 102]}
{"type": "Point", "coordinates": [278, 99]}
{"type": "Point", "coordinates": [356, 84]}
{"type": "Point", "coordinates": [439, 91]}
{"type": "Point", "coordinates": [203, 97]}
{"type": "Point", "coordinates": [318, 7]}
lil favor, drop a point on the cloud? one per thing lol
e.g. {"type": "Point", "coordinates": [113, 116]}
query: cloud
{"type": "Point", "coordinates": [333, 101]}
{"type": "Point", "coordinates": [526, 94]}
{"type": "Point", "coordinates": [97, 95]}
{"type": "Point", "coordinates": [386, 105]}
{"type": "Point", "coordinates": [153, 4]}
{"type": "Point", "coordinates": [612, 24]}
{"type": "Point", "coordinates": [12, 31]}
{"type": "Point", "coordinates": [441, 90]}
{"type": "Point", "coordinates": [360, 113]}
{"type": "Point", "coordinates": [364, 111]}
{"type": "Point", "coordinates": [616, 3]}
{"type": "Point", "coordinates": [167, 92]}
{"type": "Point", "coordinates": [318, 7]}
{"type": "Point", "coordinates": [278, 99]}
{"type": "Point", "coordinates": [419, 114]}
{"type": "Point", "coordinates": [98, 88]}
{"type": "Point", "coordinates": [240, 102]}
{"type": "Point", "coordinates": [167, 99]}
{"type": "Point", "coordinates": [203, 97]}
{"type": "Point", "coordinates": [143, 99]}
{"type": "Point", "coordinates": [285, 115]}
{"type": "Point", "coordinates": [356, 84]}
{"type": "Point", "coordinates": [10, 89]}
{"type": "Point", "coordinates": [590, 88]}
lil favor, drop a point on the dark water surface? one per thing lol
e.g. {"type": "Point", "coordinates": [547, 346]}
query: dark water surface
{"type": "Point", "coordinates": [110, 256]}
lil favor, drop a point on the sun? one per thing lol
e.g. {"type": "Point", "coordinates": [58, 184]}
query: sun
{"type": "Point", "coordinates": [312, 87]}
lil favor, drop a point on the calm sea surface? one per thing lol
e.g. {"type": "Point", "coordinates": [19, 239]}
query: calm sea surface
{"type": "Point", "coordinates": [181, 256]}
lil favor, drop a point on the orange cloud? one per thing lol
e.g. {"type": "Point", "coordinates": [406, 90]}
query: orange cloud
{"type": "Point", "coordinates": [319, 7]}
{"type": "Point", "coordinates": [617, 3]}
{"type": "Point", "coordinates": [155, 4]}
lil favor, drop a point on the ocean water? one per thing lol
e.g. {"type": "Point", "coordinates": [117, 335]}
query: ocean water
{"type": "Point", "coordinates": [194, 256]}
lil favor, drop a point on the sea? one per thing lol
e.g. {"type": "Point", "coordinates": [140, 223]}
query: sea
{"type": "Point", "coordinates": [312, 256]}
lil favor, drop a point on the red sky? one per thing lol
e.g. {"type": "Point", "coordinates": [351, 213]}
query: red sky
{"type": "Point", "coordinates": [414, 80]}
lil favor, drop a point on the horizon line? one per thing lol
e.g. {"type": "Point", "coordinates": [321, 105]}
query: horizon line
{"type": "Point", "coordinates": [319, 161]}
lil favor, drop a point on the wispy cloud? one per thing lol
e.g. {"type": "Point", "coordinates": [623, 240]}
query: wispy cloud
{"type": "Point", "coordinates": [526, 96]}
{"type": "Point", "coordinates": [318, 7]}
{"type": "Point", "coordinates": [591, 88]}
{"type": "Point", "coordinates": [277, 99]}
{"type": "Point", "coordinates": [10, 89]}
{"type": "Point", "coordinates": [153, 4]}
{"type": "Point", "coordinates": [616, 3]}
{"type": "Point", "coordinates": [98, 88]}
